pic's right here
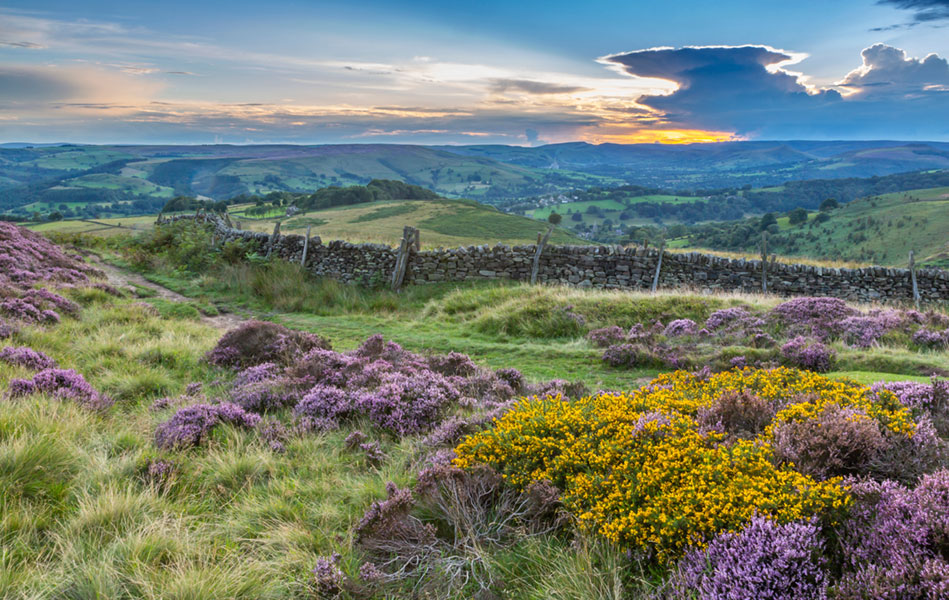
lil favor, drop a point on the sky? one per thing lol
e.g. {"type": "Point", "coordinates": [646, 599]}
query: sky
{"type": "Point", "coordinates": [489, 72]}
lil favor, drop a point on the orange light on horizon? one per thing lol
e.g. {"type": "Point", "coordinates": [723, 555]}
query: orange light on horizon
{"type": "Point", "coordinates": [664, 136]}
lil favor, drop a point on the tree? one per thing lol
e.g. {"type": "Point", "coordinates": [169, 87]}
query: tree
{"type": "Point", "coordinates": [555, 218]}
{"type": "Point", "coordinates": [768, 220]}
{"type": "Point", "coordinates": [797, 216]}
{"type": "Point", "coordinates": [829, 204]}
{"type": "Point", "coordinates": [576, 217]}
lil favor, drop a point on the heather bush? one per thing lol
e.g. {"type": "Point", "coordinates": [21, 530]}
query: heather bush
{"type": "Point", "coordinates": [727, 317]}
{"type": "Point", "coordinates": [257, 342]}
{"type": "Point", "coordinates": [894, 540]}
{"type": "Point", "coordinates": [812, 316]}
{"type": "Point", "coordinates": [680, 327]}
{"type": "Point", "coordinates": [275, 434]}
{"type": "Point", "coordinates": [931, 399]}
{"type": "Point", "coordinates": [741, 414]}
{"type": "Point", "coordinates": [764, 560]}
{"type": "Point", "coordinates": [263, 396]}
{"type": "Point", "coordinates": [837, 441]}
{"type": "Point", "coordinates": [864, 332]}
{"type": "Point", "coordinates": [512, 377]}
{"type": "Point", "coordinates": [65, 384]}
{"type": "Point", "coordinates": [452, 364]}
{"type": "Point", "coordinates": [465, 514]}
{"type": "Point", "coordinates": [607, 336]}
{"type": "Point", "coordinates": [192, 425]}
{"type": "Point", "coordinates": [407, 404]}
{"type": "Point", "coordinates": [27, 358]}
{"type": "Point", "coordinates": [808, 354]}
{"type": "Point", "coordinates": [927, 338]}
{"type": "Point", "coordinates": [325, 402]}
{"type": "Point", "coordinates": [327, 576]}
{"type": "Point", "coordinates": [626, 356]}
{"type": "Point", "coordinates": [373, 452]}
{"type": "Point", "coordinates": [7, 329]}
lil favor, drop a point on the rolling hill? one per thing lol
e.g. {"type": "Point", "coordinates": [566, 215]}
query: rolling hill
{"type": "Point", "coordinates": [138, 179]}
{"type": "Point", "coordinates": [442, 222]}
{"type": "Point", "coordinates": [879, 229]}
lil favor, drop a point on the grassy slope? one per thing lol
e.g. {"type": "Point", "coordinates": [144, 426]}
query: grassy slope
{"type": "Point", "coordinates": [441, 222]}
{"type": "Point", "coordinates": [916, 220]}
{"type": "Point", "coordinates": [79, 519]}
{"type": "Point", "coordinates": [899, 222]}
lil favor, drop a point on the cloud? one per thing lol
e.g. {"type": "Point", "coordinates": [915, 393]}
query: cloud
{"type": "Point", "coordinates": [16, 44]}
{"type": "Point", "coordinates": [924, 11]}
{"type": "Point", "coordinates": [534, 87]}
{"type": "Point", "coordinates": [889, 70]}
{"type": "Point", "coordinates": [748, 90]}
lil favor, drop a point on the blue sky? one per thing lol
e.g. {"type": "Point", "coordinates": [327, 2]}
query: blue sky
{"type": "Point", "coordinates": [472, 72]}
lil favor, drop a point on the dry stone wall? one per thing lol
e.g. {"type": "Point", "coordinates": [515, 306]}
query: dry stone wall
{"type": "Point", "coordinates": [609, 267]}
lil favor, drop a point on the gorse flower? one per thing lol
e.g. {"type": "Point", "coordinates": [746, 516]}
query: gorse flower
{"type": "Point", "coordinates": [639, 469]}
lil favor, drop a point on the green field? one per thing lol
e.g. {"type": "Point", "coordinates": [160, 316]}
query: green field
{"type": "Point", "coordinates": [442, 223]}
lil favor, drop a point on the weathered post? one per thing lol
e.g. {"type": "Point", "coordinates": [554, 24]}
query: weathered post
{"type": "Point", "coordinates": [764, 262]}
{"type": "Point", "coordinates": [542, 241]}
{"type": "Point", "coordinates": [418, 239]}
{"type": "Point", "coordinates": [227, 219]}
{"type": "Point", "coordinates": [912, 275]}
{"type": "Point", "coordinates": [655, 278]}
{"type": "Point", "coordinates": [306, 246]}
{"type": "Point", "coordinates": [409, 237]}
{"type": "Point", "coordinates": [273, 239]}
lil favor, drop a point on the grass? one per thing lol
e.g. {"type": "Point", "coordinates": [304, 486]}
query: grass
{"type": "Point", "coordinates": [80, 519]}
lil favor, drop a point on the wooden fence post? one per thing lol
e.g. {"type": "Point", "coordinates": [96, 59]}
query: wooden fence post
{"type": "Point", "coordinates": [764, 262]}
{"type": "Point", "coordinates": [273, 239]}
{"type": "Point", "coordinates": [655, 278]}
{"type": "Point", "coordinates": [410, 238]}
{"type": "Point", "coordinates": [912, 275]}
{"type": "Point", "coordinates": [306, 246]}
{"type": "Point", "coordinates": [542, 241]}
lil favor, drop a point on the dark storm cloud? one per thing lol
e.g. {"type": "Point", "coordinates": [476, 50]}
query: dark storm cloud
{"type": "Point", "coordinates": [924, 11]}
{"type": "Point", "coordinates": [533, 87]}
{"type": "Point", "coordinates": [743, 89]}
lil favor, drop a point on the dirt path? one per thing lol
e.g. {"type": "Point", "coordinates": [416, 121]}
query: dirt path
{"type": "Point", "coordinates": [122, 278]}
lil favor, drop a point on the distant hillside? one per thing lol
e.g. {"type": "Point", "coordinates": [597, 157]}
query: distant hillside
{"type": "Point", "coordinates": [729, 164]}
{"type": "Point", "coordinates": [442, 222]}
{"type": "Point", "coordinates": [880, 229]}
{"type": "Point", "coordinates": [114, 177]}
{"type": "Point", "coordinates": [137, 179]}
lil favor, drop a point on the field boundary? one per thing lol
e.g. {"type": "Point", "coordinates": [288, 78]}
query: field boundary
{"type": "Point", "coordinates": [609, 267]}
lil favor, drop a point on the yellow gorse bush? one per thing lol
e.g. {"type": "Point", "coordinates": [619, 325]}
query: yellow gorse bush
{"type": "Point", "coordinates": [637, 468]}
